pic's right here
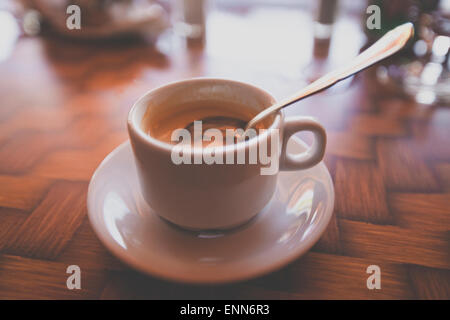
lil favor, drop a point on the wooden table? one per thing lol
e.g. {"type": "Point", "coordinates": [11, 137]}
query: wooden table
{"type": "Point", "coordinates": [63, 109]}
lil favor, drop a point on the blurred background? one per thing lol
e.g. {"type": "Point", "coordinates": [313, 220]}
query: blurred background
{"type": "Point", "coordinates": [287, 41]}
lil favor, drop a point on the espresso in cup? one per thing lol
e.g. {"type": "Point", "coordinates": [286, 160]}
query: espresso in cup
{"type": "Point", "coordinates": [226, 116]}
{"type": "Point", "coordinates": [203, 195]}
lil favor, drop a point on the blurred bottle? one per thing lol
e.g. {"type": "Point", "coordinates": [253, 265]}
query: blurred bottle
{"type": "Point", "coordinates": [324, 18]}
{"type": "Point", "coordinates": [189, 18]}
{"type": "Point", "coordinates": [323, 24]}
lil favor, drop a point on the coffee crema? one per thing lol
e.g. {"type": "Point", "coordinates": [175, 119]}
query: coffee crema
{"type": "Point", "coordinates": [213, 115]}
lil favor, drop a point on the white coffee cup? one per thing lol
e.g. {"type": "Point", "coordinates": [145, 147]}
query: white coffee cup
{"type": "Point", "coordinates": [213, 196]}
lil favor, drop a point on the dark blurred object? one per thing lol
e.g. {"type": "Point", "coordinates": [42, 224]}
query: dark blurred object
{"type": "Point", "coordinates": [323, 27]}
{"type": "Point", "coordinates": [422, 70]}
{"type": "Point", "coordinates": [326, 13]}
{"type": "Point", "coordinates": [99, 18]}
{"type": "Point", "coordinates": [396, 12]}
{"type": "Point", "coordinates": [189, 18]}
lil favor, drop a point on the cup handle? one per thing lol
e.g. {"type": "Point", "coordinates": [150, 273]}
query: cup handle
{"type": "Point", "coordinates": [310, 157]}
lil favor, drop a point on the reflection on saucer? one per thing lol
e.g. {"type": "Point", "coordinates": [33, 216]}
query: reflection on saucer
{"type": "Point", "coordinates": [287, 227]}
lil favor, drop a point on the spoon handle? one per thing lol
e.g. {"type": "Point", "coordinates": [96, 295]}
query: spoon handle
{"type": "Point", "coordinates": [387, 45]}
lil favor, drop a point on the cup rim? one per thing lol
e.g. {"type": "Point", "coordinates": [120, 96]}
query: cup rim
{"type": "Point", "coordinates": [137, 130]}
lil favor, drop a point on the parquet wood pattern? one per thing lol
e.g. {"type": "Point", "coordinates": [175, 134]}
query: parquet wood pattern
{"type": "Point", "coordinates": [63, 108]}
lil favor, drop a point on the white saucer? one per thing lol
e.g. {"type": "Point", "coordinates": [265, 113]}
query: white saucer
{"type": "Point", "coordinates": [290, 224]}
